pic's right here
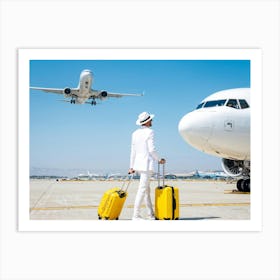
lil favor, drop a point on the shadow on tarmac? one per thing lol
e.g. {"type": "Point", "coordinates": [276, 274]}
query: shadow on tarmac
{"type": "Point", "coordinates": [199, 218]}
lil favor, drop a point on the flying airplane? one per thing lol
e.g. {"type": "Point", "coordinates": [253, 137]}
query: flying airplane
{"type": "Point", "coordinates": [220, 126]}
{"type": "Point", "coordinates": [83, 93]}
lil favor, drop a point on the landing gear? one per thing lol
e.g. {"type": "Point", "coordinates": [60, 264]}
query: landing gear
{"type": "Point", "coordinates": [92, 102]}
{"type": "Point", "coordinates": [73, 101]}
{"type": "Point", "coordinates": [243, 185]}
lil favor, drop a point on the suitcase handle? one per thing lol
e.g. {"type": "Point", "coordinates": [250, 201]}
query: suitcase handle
{"type": "Point", "coordinates": [129, 178]}
{"type": "Point", "coordinates": [163, 174]}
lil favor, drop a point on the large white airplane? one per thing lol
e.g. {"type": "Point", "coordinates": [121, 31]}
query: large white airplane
{"type": "Point", "coordinates": [220, 126]}
{"type": "Point", "coordinates": [83, 93]}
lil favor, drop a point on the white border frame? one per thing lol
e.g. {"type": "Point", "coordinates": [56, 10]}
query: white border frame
{"type": "Point", "coordinates": [24, 57]}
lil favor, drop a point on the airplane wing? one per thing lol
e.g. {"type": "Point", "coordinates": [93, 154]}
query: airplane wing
{"type": "Point", "coordinates": [74, 91]}
{"type": "Point", "coordinates": [105, 94]}
{"type": "Point", "coordinates": [111, 94]}
{"type": "Point", "coordinates": [52, 90]}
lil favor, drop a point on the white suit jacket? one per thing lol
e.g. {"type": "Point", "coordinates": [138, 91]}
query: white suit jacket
{"type": "Point", "coordinates": [143, 151]}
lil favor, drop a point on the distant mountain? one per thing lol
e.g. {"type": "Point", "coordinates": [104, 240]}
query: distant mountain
{"type": "Point", "coordinates": [60, 172]}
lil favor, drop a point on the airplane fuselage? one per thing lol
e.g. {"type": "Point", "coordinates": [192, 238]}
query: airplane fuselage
{"type": "Point", "coordinates": [220, 130]}
{"type": "Point", "coordinates": [85, 83]}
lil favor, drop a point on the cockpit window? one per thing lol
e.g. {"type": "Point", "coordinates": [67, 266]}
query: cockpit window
{"type": "Point", "coordinates": [215, 103]}
{"type": "Point", "coordinates": [233, 103]}
{"type": "Point", "coordinates": [243, 104]}
{"type": "Point", "coordinates": [200, 105]}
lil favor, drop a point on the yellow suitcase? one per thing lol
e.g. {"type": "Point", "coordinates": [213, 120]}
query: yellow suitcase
{"type": "Point", "coordinates": [104, 201]}
{"type": "Point", "coordinates": [111, 203]}
{"type": "Point", "coordinates": [166, 201]}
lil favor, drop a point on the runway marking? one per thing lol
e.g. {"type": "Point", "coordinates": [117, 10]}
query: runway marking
{"type": "Point", "coordinates": [132, 206]}
{"type": "Point", "coordinates": [47, 191]}
{"type": "Point", "coordinates": [235, 192]}
{"type": "Point", "coordinates": [214, 204]}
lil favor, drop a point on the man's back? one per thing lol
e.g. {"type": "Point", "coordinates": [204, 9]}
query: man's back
{"type": "Point", "coordinates": [140, 138]}
{"type": "Point", "coordinates": [143, 150]}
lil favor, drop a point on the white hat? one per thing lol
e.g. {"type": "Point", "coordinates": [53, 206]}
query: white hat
{"type": "Point", "coordinates": [144, 118]}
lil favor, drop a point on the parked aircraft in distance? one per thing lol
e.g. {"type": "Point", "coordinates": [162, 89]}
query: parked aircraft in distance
{"type": "Point", "coordinates": [210, 174]}
{"type": "Point", "coordinates": [84, 93]}
{"type": "Point", "coordinates": [220, 126]}
{"type": "Point", "coordinates": [88, 176]}
{"type": "Point", "coordinates": [196, 174]}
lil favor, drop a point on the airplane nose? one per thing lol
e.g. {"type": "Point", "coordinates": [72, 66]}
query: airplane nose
{"type": "Point", "coordinates": [86, 73]}
{"type": "Point", "coordinates": [195, 128]}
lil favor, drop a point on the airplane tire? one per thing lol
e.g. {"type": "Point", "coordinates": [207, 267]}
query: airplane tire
{"type": "Point", "coordinates": [243, 185]}
{"type": "Point", "coordinates": [239, 185]}
{"type": "Point", "coordinates": [246, 185]}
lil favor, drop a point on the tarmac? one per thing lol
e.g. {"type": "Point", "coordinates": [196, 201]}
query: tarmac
{"type": "Point", "coordinates": [79, 200]}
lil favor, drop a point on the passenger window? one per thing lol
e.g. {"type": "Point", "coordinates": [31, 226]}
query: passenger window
{"type": "Point", "coordinates": [233, 103]}
{"type": "Point", "coordinates": [243, 104]}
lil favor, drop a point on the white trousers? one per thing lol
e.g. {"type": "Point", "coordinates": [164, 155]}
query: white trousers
{"type": "Point", "coordinates": [143, 194]}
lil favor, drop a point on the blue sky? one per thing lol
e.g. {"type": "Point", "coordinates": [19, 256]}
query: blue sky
{"type": "Point", "coordinates": [97, 138]}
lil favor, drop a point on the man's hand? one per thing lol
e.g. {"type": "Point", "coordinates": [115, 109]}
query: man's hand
{"type": "Point", "coordinates": [162, 161]}
{"type": "Point", "coordinates": [131, 171]}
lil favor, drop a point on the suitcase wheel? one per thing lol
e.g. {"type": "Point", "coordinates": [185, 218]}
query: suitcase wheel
{"type": "Point", "coordinates": [117, 218]}
{"type": "Point", "coordinates": [122, 194]}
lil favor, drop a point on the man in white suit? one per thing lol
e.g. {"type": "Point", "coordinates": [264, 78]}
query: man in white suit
{"type": "Point", "coordinates": [142, 158]}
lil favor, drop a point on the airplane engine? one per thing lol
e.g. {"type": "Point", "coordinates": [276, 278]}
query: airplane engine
{"type": "Point", "coordinates": [103, 94]}
{"type": "Point", "coordinates": [238, 168]}
{"type": "Point", "coordinates": [233, 168]}
{"type": "Point", "coordinates": [67, 91]}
